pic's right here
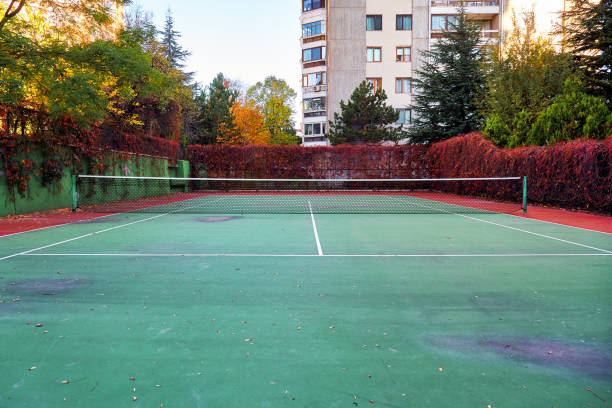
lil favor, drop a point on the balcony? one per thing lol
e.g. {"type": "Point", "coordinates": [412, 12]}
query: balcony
{"type": "Point", "coordinates": [313, 64]}
{"type": "Point", "coordinates": [314, 89]}
{"type": "Point", "coordinates": [466, 3]}
{"type": "Point", "coordinates": [481, 7]}
{"type": "Point", "coordinates": [486, 36]}
{"type": "Point", "coordinates": [315, 38]}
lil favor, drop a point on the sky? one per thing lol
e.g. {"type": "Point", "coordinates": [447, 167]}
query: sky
{"type": "Point", "coordinates": [246, 40]}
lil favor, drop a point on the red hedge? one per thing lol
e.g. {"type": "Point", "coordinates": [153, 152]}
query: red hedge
{"type": "Point", "coordinates": [140, 144]}
{"type": "Point", "coordinates": [573, 175]}
{"type": "Point", "coordinates": [301, 162]}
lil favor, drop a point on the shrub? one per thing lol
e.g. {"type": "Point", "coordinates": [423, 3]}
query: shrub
{"type": "Point", "coordinates": [572, 115]}
{"type": "Point", "coordinates": [574, 174]}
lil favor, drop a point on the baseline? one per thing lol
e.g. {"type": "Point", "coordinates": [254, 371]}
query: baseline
{"type": "Point", "coordinates": [145, 255]}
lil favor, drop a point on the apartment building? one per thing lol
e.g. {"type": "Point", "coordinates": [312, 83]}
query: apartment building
{"type": "Point", "coordinates": [347, 41]}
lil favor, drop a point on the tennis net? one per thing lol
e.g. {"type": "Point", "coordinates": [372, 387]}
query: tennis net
{"type": "Point", "coordinates": [113, 194]}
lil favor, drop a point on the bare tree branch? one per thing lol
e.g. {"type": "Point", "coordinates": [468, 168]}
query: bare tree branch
{"type": "Point", "coordinates": [8, 14]}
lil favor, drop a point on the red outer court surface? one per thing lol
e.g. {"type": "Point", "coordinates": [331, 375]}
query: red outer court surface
{"type": "Point", "coordinates": [17, 224]}
{"type": "Point", "coordinates": [29, 222]}
{"type": "Point", "coordinates": [573, 219]}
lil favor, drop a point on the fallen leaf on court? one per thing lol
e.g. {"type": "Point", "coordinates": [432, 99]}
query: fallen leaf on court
{"type": "Point", "coordinates": [46, 332]}
{"type": "Point", "coordinates": [299, 328]}
{"type": "Point", "coordinates": [371, 401]}
{"type": "Point", "coordinates": [16, 300]}
{"type": "Point", "coordinates": [32, 368]}
{"type": "Point", "coordinates": [38, 324]}
{"type": "Point", "coordinates": [29, 323]}
{"type": "Point", "coordinates": [441, 369]}
{"type": "Point", "coordinates": [403, 395]}
{"type": "Point", "coordinates": [332, 327]}
{"type": "Point", "coordinates": [369, 376]}
{"type": "Point", "coordinates": [134, 398]}
{"type": "Point", "coordinates": [244, 322]}
{"type": "Point", "coordinates": [65, 382]}
{"type": "Point", "coordinates": [247, 340]}
{"type": "Point", "coordinates": [378, 345]}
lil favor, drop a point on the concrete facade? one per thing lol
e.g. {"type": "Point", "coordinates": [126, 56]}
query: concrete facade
{"type": "Point", "coordinates": [348, 43]}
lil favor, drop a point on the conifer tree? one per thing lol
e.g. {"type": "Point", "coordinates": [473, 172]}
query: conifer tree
{"type": "Point", "coordinates": [215, 120]}
{"type": "Point", "coordinates": [447, 88]}
{"type": "Point", "coordinates": [174, 52]}
{"type": "Point", "coordinates": [365, 118]}
{"type": "Point", "coordinates": [587, 31]}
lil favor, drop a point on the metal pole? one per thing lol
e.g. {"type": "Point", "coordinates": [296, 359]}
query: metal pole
{"type": "Point", "coordinates": [74, 192]}
{"type": "Point", "coordinates": [525, 195]}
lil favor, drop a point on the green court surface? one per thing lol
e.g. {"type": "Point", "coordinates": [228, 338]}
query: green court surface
{"type": "Point", "coordinates": [306, 310]}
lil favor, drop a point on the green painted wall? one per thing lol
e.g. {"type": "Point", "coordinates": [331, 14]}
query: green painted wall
{"type": "Point", "coordinates": [43, 198]}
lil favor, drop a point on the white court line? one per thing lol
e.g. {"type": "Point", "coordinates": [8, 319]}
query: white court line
{"type": "Point", "coordinates": [79, 237]}
{"type": "Point", "coordinates": [98, 232]}
{"type": "Point", "coordinates": [536, 234]}
{"type": "Point", "coordinates": [563, 225]}
{"type": "Point", "coordinates": [518, 229]}
{"type": "Point", "coordinates": [316, 233]}
{"type": "Point", "coordinates": [136, 255]}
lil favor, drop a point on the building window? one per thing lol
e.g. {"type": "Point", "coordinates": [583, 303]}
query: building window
{"type": "Point", "coordinates": [484, 25]}
{"type": "Point", "coordinates": [314, 129]}
{"type": "Point", "coordinates": [313, 29]}
{"type": "Point", "coordinates": [313, 54]}
{"type": "Point", "coordinates": [403, 85]}
{"type": "Point", "coordinates": [443, 22]}
{"type": "Point", "coordinates": [308, 5]}
{"type": "Point", "coordinates": [403, 22]}
{"type": "Point", "coordinates": [374, 23]}
{"type": "Point", "coordinates": [314, 104]}
{"type": "Point", "coordinates": [374, 54]}
{"type": "Point", "coordinates": [377, 82]}
{"type": "Point", "coordinates": [405, 116]}
{"type": "Point", "coordinates": [314, 79]}
{"type": "Point", "coordinates": [403, 54]}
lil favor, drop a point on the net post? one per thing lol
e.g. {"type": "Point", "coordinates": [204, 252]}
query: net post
{"type": "Point", "coordinates": [524, 194]}
{"type": "Point", "coordinates": [74, 192]}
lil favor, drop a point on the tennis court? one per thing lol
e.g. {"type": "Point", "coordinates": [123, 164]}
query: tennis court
{"type": "Point", "coordinates": [306, 300]}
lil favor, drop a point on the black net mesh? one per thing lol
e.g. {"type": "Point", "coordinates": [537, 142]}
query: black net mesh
{"type": "Point", "coordinates": [243, 196]}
